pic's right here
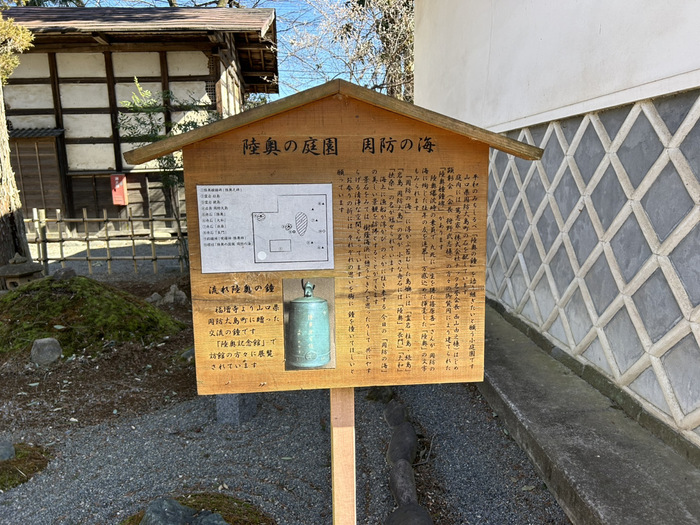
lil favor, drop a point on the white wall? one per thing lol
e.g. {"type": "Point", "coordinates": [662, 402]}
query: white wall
{"type": "Point", "coordinates": [503, 64]}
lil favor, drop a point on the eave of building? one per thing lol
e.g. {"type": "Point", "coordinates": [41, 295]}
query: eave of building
{"type": "Point", "coordinates": [252, 31]}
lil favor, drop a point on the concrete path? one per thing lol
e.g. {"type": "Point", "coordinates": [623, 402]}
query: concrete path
{"type": "Point", "coordinates": [602, 466]}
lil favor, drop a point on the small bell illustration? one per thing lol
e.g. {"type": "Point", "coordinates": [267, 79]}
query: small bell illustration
{"type": "Point", "coordinates": [308, 339]}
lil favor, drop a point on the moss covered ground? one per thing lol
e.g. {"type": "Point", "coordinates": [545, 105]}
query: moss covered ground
{"type": "Point", "coordinates": [82, 314]}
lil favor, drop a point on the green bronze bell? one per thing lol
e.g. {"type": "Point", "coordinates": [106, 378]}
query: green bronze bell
{"type": "Point", "coordinates": [308, 333]}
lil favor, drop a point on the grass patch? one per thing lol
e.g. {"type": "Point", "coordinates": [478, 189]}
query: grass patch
{"type": "Point", "coordinates": [233, 510]}
{"type": "Point", "coordinates": [82, 314]}
{"type": "Point", "coordinates": [28, 461]}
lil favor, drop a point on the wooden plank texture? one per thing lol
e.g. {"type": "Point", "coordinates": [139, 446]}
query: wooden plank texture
{"type": "Point", "coordinates": [409, 222]}
{"type": "Point", "coordinates": [343, 470]}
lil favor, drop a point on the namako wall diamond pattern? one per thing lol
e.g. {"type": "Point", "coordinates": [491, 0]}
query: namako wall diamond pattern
{"type": "Point", "coordinates": [597, 246]}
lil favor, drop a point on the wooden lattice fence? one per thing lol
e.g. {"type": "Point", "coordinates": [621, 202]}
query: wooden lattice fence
{"type": "Point", "coordinates": [105, 240]}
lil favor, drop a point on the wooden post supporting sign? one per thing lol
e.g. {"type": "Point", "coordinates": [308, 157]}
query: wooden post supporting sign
{"type": "Point", "coordinates": [343, 469]}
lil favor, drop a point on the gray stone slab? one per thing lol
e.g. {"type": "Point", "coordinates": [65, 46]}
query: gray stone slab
{"type": "Point", "coordinates": [552, 157]}
{"type": "Point", "coordinates": [667, 202]}
{"type": "Point", "coordinates": [657, 305]}
{"type": "Point", "coordinates": [517, 280]}
{"type": "Point", "coordinates": [630, 248]}
{"type": "Point", "coordinates": [508, 249]}
{"type": "Point", "coordinates": [532, 258]}
{"type": "Point", "coordinates": [624, 342]}
{"type": "Point", "coordinates": [544, 297]}
{"type": "Point", "coordinates": [566, 194]}
{"type": "Point", "coordinates": [601, 465]}
{"type": "Point", "coordinates": [570, 126]}
{"type": "Point", "coordinates": [608, 197]}
{"type": "Point", "coordinates": [601, 284]}
{"type": "Point", "coordinates": [595, 355]}
{"type": "Point", "coordinates": [523, 166]}
{"type": "Point", "coordinates": [583, 236]}
{"type": "Point", "coordinates": [577, 315]}
{"type": "Point", "coordinates": [589, 153]}
{"type": "Point", "coordinates": [500, 162]}
{"type": "Point", "coordinates": [535, 191]}
{"type": "Point", "coordinates": [674, 108]}
{"type": "Point", "coordinates": [498, 216]}
{"type": "Point", "coordinates": [521, 223]}
{"type": "Point", "coordinates": [689, 148]}
{"type": "Point", "coordinates": [561, 268]}
{"type": "Point", "coordinates": [510, 190]}
{"type": "Point", "coordinates": [613, 119]}
{"type": "Point", "coordinates": [686, 260]}
{"type": "Point", "coordinates": [682, 364]}
{"type": "Point", "coordinates": [548, 228]}
{"type": "Point", "coordinates": [647, 385]}
{"type": "Point", "coordinates": [538, 133]}
{"type": "Point", "coordinates": [639, 150]}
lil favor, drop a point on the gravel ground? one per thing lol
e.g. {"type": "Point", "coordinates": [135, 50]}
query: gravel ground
{"type": "Point", "coordinates": [280, 461]}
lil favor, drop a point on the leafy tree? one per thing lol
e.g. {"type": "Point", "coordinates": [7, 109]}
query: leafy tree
{"type": "Point", "coordinates": [13, 236]}
{"type": "Point", "coordinates": [368, 42]}
{"type": "Point", "coordinates": [145, 119]}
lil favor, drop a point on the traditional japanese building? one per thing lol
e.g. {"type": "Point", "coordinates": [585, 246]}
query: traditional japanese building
{"type": "Point", "coordinates": [64, 100]}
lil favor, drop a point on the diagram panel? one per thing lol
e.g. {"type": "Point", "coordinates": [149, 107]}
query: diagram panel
{"type": "Point", "coordinates": [246, 228]}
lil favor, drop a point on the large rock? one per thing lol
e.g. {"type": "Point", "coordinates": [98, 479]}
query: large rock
{"type": "Point", "coordinates": [174, 296]}
{"type": "Point", "coordinates": [63, 274]}
{"type": "Point", "coordinates": [45, 351]}
{"type": "Point", "coordinates": [403, 444]}
{"type": "Point", "coordinates": [167, 511]}
{"type": "Point", "coordinates": [402, 483]}
{"type": "Point", "coordinates": [7, 450]}
{"type": "Point", "coordinates": [411, 514]}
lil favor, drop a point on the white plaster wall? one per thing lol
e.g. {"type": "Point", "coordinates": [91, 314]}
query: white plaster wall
{"type": "Point", "coordinates": [84, 96]}
{"type": "Point", "coordinates": [190, 92]}
{"type": "Point", "coordinates": [30, 96]}
{"type": "Point", "coordinates": [187, 63]}
{"type": "Point", "coordinates": [85, 126]}
{"type": "Point", "coordinates": [90, 156]}
{"type": "Point", "coordinates": [32, 121]}
{"type": "Point", "coordinates": [136, 64]}
{"type": "Point", "coordinates": [503, 64]}
{"type": "Point", "coordinates": [32, 65]}
{"type": "Point", "coordinates": [81, 65]}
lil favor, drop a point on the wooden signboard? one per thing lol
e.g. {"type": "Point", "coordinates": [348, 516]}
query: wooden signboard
{"type": "Point", "coordinates": [380, 205]}
{"type": "Point", "coordinates": [385, 215]}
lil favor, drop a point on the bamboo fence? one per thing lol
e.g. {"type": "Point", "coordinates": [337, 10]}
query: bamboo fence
{"type": "Point", "coordinates": [102, 238]}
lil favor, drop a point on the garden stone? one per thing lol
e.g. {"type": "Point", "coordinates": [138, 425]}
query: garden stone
{"type": "Point", "coordinates": [402, 483]}
{"type": "Point", "coordinates": [167, 511]}
{"type": "Point", "coordinates": [63, 274]}
{"type": "Point", "coordinates": [394, 413]}
{"type": "Point", "coordinates": [7, 450]}
{"type": "Point", "coordinates": [154, 299]}
{"type": "Point", "coordinates": [45, 351]}
{"type": "Point", "coordinates": [174, 296]}
{"type": "Point", "coordinates": [411, 514]}
{"type": "Point", "coordinates": [403, 444]}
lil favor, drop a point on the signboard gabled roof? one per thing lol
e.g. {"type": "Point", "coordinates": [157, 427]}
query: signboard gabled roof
{"type": "Point", "coordinates": [334, 87]}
